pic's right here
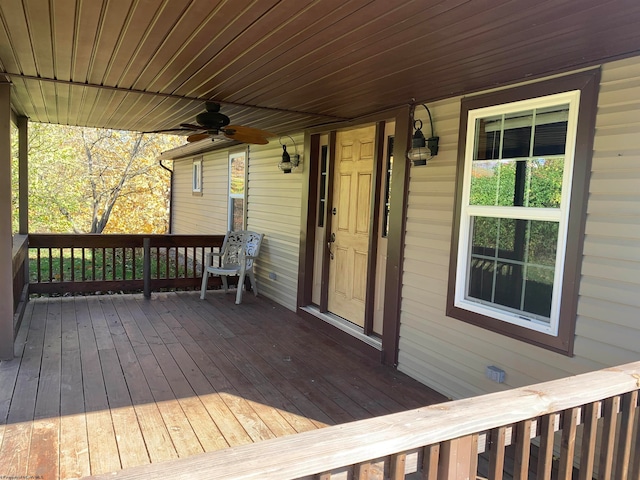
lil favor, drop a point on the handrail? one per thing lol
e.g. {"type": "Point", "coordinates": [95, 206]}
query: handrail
{"type": "Point", "coordinates": [446, 429]}
{"type": "Point", "coordinates": [85, 263]}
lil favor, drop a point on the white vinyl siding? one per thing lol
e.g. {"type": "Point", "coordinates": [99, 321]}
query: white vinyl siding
{"type": "Point", "coordinates": [274, 206]}
{"type": "Point", "coordinates": [207, 213]}
{"type": "Point", "coordinates": [450, 355]}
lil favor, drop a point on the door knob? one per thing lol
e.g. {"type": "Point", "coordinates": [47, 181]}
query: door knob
{"type": "Point", "coordinates": [332, 239]}
{"type": "Point", "coordinates": [334, 211]}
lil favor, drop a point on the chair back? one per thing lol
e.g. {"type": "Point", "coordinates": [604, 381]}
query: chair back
{"type": "Point", "coordinates": [252, 242]}
{"type": "Point", "coordinates": [241, 241]}
{"type": "Point", "coordinates": [231, 248]}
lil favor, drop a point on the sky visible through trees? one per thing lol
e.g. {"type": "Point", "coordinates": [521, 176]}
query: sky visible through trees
{"type": "Point", "coordinates": [91, 180]}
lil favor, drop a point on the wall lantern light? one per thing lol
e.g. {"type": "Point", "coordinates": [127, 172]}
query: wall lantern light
{"type": "Point", "coordinates": [289, 161]}
{"type": "Point", "coordinates": [423, 149]}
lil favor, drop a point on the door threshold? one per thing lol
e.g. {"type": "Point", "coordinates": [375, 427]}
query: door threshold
{"type": "Point", "coordinates": [344, 325]}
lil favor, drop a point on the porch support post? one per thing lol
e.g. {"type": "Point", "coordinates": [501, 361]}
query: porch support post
{"type": "Point", "coordinates": [6, 264]}
{"type": "Point", "coordinates": [395, 244]}
{"type": "Point", "coordinates": [23, 174]}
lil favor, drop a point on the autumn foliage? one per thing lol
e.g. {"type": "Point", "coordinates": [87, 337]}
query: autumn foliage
{"type": "Point", "coordinates": [89, 180]}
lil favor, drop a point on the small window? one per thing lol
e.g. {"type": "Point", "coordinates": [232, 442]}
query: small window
{"type": "Point", "coordinates": [523, 169]}
{"type": "Point", "coordinates": [196, 185]}
{"type": "Point", "coordinates": [237, 180]}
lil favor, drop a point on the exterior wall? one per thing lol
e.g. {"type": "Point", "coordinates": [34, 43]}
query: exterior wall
{"type": "Point", "coordinates": [450, 355]}
{"type": "Point", "coordinates": [206, 213]}
{"type": "Point", "coordinates": [273, 208]}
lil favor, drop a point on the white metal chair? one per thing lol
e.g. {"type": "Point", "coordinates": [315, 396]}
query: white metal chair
{"type": "Point", "coordinates": [237, 258]}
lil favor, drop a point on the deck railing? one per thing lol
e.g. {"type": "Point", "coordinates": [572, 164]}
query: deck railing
{"type": "Point", "coordinates": [19, 259]}
{"type": "Point", "coordinates": [581, 427]}
{"type": "Point", "coordinates": [61, 263]}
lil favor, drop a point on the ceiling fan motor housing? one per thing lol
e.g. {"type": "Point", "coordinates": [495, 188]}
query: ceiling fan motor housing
{"type": "Point", "coordinates": [212, 120]}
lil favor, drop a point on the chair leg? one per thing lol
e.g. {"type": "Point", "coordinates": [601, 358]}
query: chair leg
{"type": "Point", "coordinates": [240, 285]}
{"type": "Point", "coordinates": [254, 285]}
{"type": "Point", "coordinates": [224, 282]}
{"type": "Point", "coordinates": [203, 289]}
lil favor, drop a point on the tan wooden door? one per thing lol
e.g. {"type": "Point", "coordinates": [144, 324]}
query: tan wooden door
{"type": "Point", "coordinates": [353, 176]}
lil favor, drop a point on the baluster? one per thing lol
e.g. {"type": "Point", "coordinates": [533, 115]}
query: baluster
{"type": "Point", "coordinates": [545, 453]}
{"type": "Point", "coordinates": [496, 453]}
{"type": "Point", "coordinates": [397, 466]}
{"type": "Point", "coordinates": [124, 263]}
{"type": "Point", "coordinates": [611, 407]}
{"type": "Point", "coordinates": [133, 263]}
{"type": "Point", "coordinates": [430, 461]}
{"type": "Point", "coordinates": [589, 433]}
{"type": "Point", "coordinates": [568, 443]}
{"type": "Point", "coordinates": [73, 266]}
{"type": "Point", "coordinates": [84, 265]}
{"type": "Point", "coordinates": [523, 450]}
{"type": "Point", "coordinates": [50, 264]}
{"type": "Point", "coordinates": [39, 267]}
{"type": "Point", "coordinates": [61, 264]}
{"type": "Point", "coordinates": [628, 414]}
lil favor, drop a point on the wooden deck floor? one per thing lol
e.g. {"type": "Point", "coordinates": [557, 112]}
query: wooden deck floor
{"type": "Point", "coordinates": [104, 383]}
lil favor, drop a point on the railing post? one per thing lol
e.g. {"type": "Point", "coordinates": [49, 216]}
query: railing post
{"type": "Point", "coordinates": [146, 267]}
{"type": "Point", "coordinates": [457, 458]}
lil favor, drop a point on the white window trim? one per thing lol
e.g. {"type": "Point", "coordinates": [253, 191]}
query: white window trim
{"type": "Point", "coordinates": [560, 215]}
{"type": "Point", "coordinates": [196, 175]}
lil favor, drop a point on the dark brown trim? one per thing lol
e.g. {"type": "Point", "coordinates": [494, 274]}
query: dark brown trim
{"type": "Point", "coordinates": [395, 240]}
{"type": "Point", "coordinates": [324, 291]}
{"type": "Point", "coordinates": [374, 228]}
{"type": "Point", "coordinates": [23, 174]}
{"type": "Point", "coordinates": [588, 82]}
{"type": "Point", "coordinates": [308, 219]}
{"type": "Point", "coordinates": [341, 337]}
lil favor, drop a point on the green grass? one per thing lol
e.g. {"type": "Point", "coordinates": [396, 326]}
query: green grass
{"type": "Point", "coordinates": [102, 264]}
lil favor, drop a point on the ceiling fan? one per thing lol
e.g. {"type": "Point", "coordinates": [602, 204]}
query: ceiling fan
{"type": "Point", "coordinates": [213, 124]}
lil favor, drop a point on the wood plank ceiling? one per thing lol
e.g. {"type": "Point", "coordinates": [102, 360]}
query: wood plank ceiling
{"type": "Point", "coordinates": [283, 65]}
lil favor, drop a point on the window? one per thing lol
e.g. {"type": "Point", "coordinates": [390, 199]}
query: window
{"type": "Point", "coordinates": [522, 175]}
{"type": "Point", "coordinates": [387, 188]}
{"type": "Point", "coordinates": [237, 171]}
{"type": "Point", "coordinates": [196, 184]}
{"type": "Point", "coordinates": [322, 205]}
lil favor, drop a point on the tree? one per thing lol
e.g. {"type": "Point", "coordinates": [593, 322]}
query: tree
{"type": "Point", "coordinates": [89, 180]}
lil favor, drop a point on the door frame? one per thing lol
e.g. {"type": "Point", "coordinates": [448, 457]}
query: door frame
{"type": "Point", "coordinates": [397, 225]}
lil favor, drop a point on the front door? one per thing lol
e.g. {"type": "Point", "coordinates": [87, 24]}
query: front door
{"type": "Point", "coordinates": [353, 181]}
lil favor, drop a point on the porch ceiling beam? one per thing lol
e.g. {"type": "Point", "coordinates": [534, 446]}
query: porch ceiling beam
{"type": "Point", "coordinates": [168, 95]}
{"type": "Point", "coordinates": [6, 264]}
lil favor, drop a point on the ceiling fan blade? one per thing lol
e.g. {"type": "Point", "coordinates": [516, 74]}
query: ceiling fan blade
{"type": "Point", "coordinates": [246, 137]}
{"type": "Point", "coordinates": [231, 129]}
{"type": "Point", "coordinates": [191, 126]}
{"type": "Point", "coordinates": [196, 137]}
{"type": "Point", "coordinates": [177, 131]}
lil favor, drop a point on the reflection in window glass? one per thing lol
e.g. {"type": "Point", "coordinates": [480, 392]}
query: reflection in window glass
{"type": "Point", "coordinates": [509, 169]}
{"type": "Point", "coordinates": [535, 182]}
{"type": "Point", "coordinates": [237, 175]}
{"type": "Point", "coordinates": [512, 263]}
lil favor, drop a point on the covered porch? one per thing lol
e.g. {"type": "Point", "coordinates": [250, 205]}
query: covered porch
{"type": "Point", "coordinates": [104, 383]}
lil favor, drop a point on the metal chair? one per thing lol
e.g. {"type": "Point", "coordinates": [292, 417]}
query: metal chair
{"type": "Point", "coordinates": [237, 258]}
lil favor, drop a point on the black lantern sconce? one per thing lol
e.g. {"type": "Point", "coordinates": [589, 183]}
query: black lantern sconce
{"type": "Point", "coordinates": [423, 149]}
{"type": "Point", "coordinates": [289, 161]}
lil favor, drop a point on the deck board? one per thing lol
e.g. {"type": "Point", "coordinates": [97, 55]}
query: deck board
{"type": "Point", "coordinates": [109, 382]}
